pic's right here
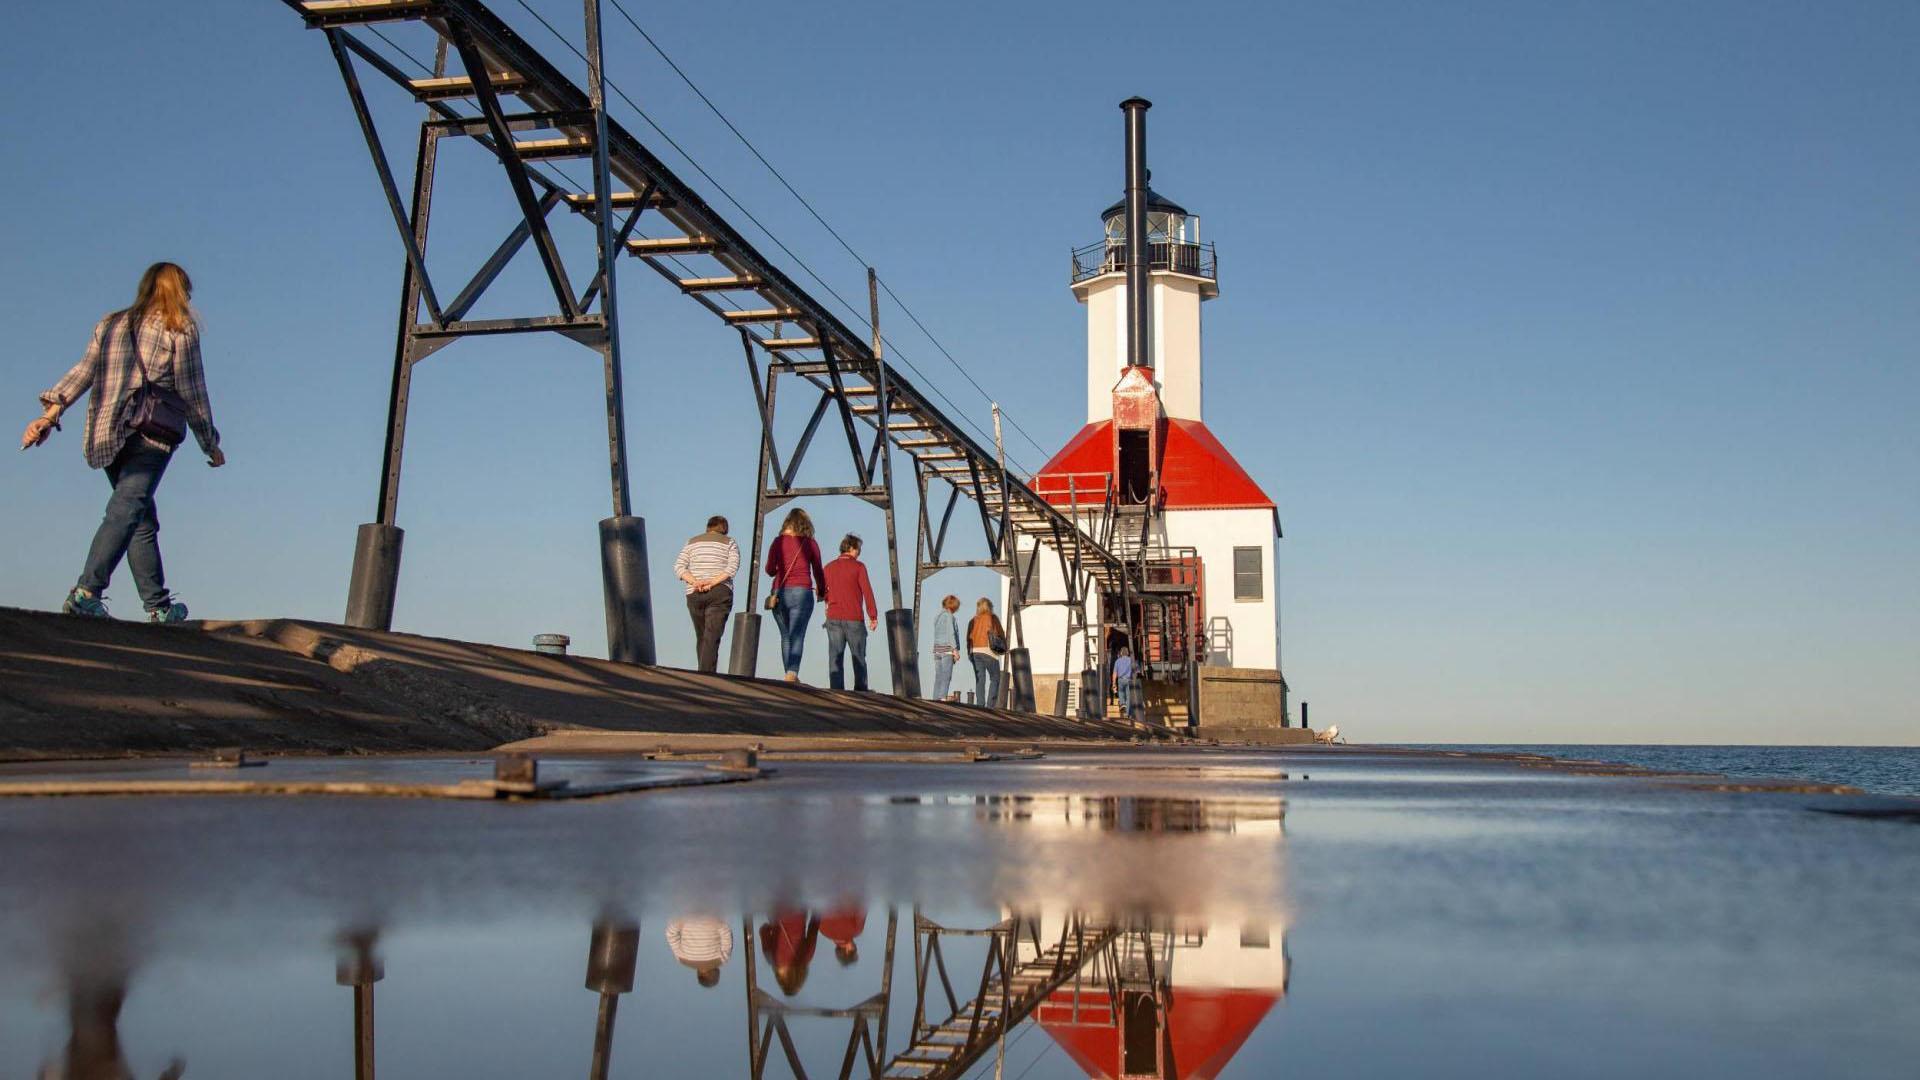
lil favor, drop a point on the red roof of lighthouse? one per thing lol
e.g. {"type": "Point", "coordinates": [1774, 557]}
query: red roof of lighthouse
{"type": "Point", "coordinates": [1196, 471]}
{"type": "Point", "coordinates": [1208, 1028]}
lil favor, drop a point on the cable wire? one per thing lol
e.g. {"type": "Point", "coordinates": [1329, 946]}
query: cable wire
{"type": "Point", "coordinates": [570, 181]}
{"type": "Point", "coordinates": [817, 216]}
{"type": "Point", "coordinates": [930, 384]}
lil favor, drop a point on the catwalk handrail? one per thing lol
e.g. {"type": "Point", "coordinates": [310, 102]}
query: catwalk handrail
{"type": "Point", "coordinates": [553, 92]}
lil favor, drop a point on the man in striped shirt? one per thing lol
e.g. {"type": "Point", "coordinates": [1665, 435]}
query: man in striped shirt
{"type": "Point", "coordinates": [707, 565]}
{"type": "Point", "coordinates": [702, 943]}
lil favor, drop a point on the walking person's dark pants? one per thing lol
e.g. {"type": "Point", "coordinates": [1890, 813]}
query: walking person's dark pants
{"type": "Point", "coordinates": [131, 527]}
{"type": "Point", "coordinates": [845, 634]}
{"type": "Point", "coordinates": [709, 611]}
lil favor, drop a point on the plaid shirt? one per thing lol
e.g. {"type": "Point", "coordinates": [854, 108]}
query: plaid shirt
{"type": "Point", "coordinates": [169, 359]}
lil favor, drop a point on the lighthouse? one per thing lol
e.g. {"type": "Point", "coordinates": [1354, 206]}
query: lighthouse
{"type": "Point", "coordinates": [1146, 471]}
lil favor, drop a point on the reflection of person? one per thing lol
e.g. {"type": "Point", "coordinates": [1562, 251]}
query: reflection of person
{"type": "Point", "coordinates": [946, 646]}
{"type": "Point", "coordinates": [149, 392]}
{"type": "Point", "coordinates": [842, 925]}
{"type": "Point", "coordinates": [787, 941]}
{"type": "Point", "coordinates": [793, 562]}
{"type": "Point", "coordinates": [93, 1044]}
{"type": "Point", "coordinates": [703, 943]}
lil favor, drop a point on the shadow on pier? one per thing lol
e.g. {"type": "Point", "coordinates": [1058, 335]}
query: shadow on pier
{"type": "Point", "coordinates": [81, 687]}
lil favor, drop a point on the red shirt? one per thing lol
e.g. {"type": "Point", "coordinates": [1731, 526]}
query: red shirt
{"type": "Point", "coordinates": [792, 560]}
{"type": "Point", "coordinates": [787, 939]}
{"type": "Point", "coordinates": [848, 589]}
{"type": "Point", "coordinates": [842, 925]}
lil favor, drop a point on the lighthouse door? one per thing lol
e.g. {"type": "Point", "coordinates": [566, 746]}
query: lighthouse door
{"type": "Point", "coordinates": [1135, 466]}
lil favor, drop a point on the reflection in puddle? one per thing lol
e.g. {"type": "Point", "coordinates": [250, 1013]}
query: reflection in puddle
{"type": "Point", "coordinates": [836, 988]}
{"type": "Point", "coordinates": [1122, 995]}
{"type": "Point", "coordinates": [1117, 813]}
{"type": "Point", "coordinates": [961, 921]}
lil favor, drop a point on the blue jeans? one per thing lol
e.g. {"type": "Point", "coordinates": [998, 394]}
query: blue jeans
{"type": "Point", "coordinates": [131, 527]}
{"type": "Point", "coordinates": [942, 674]}
{"type": "Point", "coordinates": [1125, 697]}
{"type": "Point", "coordinates": [790, 614]}
{"type": "Point", "coordinates": [986, 679]}
{"type": "Point", "coordinates": [841, 635]}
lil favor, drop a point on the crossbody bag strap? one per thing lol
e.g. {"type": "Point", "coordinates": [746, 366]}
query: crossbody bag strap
{"type": "Point", "coordinates": [133, 346]}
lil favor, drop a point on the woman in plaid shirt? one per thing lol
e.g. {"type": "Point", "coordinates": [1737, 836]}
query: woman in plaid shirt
{"type": "Point", "coordinates": [159, 336]}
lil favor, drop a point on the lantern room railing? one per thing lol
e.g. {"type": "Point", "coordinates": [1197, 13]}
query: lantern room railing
{"type": "Point", "coordinates": [1110, 257]}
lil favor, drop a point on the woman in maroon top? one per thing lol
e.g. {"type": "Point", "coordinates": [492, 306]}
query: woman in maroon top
{"type": "Point", "coordinates": [793, 562]}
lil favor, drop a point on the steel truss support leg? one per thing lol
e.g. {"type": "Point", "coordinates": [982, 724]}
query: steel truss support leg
{"type": "Point", "coordinates": [375, 582]}
{"type": "Point", "coordinates": [903, 646]}
{"type": "Point", "coordinates": [623, 537]}
{"type": "Point", "coordinates": [746, 625]}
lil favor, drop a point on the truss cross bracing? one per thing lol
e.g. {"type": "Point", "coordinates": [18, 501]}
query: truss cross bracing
{"type": "Point", "coordinates": [490, 85]}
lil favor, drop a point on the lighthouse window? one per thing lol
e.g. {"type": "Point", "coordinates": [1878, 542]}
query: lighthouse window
{"type": "Point", "coordinates": [1246, 574]}
{"type": "Point", "coordinates": [1027, 572]}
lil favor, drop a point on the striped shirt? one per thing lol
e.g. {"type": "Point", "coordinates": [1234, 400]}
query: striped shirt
{"type": "Point", "coordinates": [169, 358]}
{"type": "Point", "coordinates": [700, 941]}
{"type": "Point", "coordinates": [707, 556]}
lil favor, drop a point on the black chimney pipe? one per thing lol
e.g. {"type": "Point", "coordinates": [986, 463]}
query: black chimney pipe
{"type": "Point", "coordinates": [1139, 351]}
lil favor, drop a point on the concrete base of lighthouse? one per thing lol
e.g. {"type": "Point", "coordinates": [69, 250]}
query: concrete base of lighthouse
{"type": "Point", "coordinates": [1231, 699]}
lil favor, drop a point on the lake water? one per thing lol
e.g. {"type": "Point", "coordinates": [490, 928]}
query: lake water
{"type": "Point", "coordinates": [1137, 913]}
{"type": "Point", "coordinates": [1883, 770]}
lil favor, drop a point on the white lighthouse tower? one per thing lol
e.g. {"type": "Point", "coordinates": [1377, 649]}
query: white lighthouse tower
{"type": "Point", "coordinates": [1178, 501]}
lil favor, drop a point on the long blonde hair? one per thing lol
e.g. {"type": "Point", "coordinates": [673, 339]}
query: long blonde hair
{"type": "Point", "coordinates": [163, 295]}
{"type": "Point", "coordinates": [797, 523]}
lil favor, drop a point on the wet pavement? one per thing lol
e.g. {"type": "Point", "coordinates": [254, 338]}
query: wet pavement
{"type": "Point", "coordinates": [1127, 913]}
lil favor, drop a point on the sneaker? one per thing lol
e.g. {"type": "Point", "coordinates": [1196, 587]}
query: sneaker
{"type": "Point", "coordinates": [85, 604]}
{"type": "Point", "coordinates": [174, 612]}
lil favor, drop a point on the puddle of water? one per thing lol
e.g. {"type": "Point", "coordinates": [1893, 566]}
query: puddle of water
{"type": "Point", "coordinates": [845, 920]}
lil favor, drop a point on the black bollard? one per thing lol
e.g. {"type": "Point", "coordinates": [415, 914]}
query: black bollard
{"type": "Point", "coordinates": [1093, 695]}
{"type": "Point", "coordinates": [611, 957]}
{"type": "Point", "coordinates": [1021, 684]}
{"type": "Point", "coordinates": [359, 967]}
{"type": "Point", "coordinates": [623, 577]}
{"type": "Point", "coordinates": [1060, 695]}
{"type": "Point", "coordinates": [746, 644]}
{"type": "Point", "coordinates": [376, 576]}
{"type": "Point", "coordinates": [901, 655]}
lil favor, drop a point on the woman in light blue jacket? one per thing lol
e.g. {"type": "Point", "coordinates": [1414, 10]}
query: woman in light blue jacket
{"type": "Point", "coordinates": [946, 646]}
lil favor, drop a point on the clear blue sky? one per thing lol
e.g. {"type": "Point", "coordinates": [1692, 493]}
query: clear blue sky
{"type": "Point", "coordinates": [1579, 343]}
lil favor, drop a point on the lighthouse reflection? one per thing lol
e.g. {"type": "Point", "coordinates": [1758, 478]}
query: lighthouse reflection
{"type": "Point", "coordinates": [840, 988]}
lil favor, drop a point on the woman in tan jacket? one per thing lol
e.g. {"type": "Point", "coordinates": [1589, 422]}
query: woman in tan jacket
{"type": "Point", "coordinates": [986, 640]}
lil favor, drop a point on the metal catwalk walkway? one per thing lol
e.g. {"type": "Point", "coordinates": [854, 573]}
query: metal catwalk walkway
{"type": "Point", "coordinates": [491, 85]}
{"type": "Point", "coordinates": [1009, 990]}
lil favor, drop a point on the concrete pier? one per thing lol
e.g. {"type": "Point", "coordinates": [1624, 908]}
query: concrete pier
{"type": "Point", "coordinates": [77, 687]}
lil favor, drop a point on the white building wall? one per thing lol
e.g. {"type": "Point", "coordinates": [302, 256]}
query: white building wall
{"type": "Point", "coordinates": [1175, 325]}
{"type": "Point", "coordinates": [1046, 627]}
{"type": "Point", "coordinates": [1176, 332]}
{"type": "Point", "coordinates": [1106, 300]}
{"type": "Point", "coordinates": [1249, 624]}
{"type": "Point", "coordinates": [1241, 633]}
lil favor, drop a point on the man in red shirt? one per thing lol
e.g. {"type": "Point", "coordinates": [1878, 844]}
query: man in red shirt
{"type": "Point", "coordinates": [849, 596]}
{"type": "Point", "coordinates": [841, 925]}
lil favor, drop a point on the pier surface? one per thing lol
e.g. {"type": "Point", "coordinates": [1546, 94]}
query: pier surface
{"type": "Point", "coordinates": [79, 687]}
